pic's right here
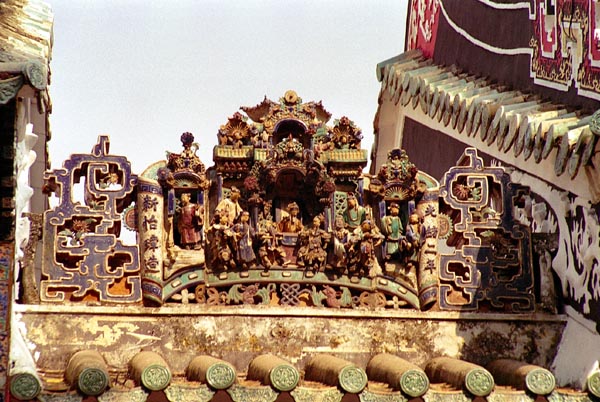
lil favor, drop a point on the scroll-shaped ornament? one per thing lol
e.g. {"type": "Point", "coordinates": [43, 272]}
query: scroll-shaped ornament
{"type": "Point", "coordinates": [84, 258]}
{"type": "Point", "coordinates": [489, 259]}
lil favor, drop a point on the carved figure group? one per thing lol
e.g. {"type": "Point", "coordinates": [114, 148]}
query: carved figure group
{"type": "Point", "coordinates": [350, 247]}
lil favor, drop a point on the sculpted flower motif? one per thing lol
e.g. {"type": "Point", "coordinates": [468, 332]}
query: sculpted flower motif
{"type": "Point", "coordinates": [329, 186]}
{"type": "Point", "coordinates": [187, 138]}
{"type": "Point", "coordinates": [251, 183]}
{"type": "Point", "coordinates": [81, 225]}
{"type": "Point", "coordinates": [461, 191]}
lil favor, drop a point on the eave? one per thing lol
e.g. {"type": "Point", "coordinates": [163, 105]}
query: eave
{"type": "Point", "coordinates": [548, 140]}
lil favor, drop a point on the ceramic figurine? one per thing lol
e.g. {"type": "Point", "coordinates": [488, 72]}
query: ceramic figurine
{"type": "Point", "coordinates": [221, 236]}
{"type": "Point", "coordinates": [189, 223]}
{"type": "Point", "coordinates": [270, 251]}
{"type": "Point", "coordinates": [313, 242]}
{"type": "Point", "coordinates": [243, 235]}
{"type": "Point", "coordinates": [354, 214]}
{"type": "Point", "coordinates": [391, 226]}
{"type": "Point", "coordinates": [230, 206]}
{"type": "Point", "coordinates": [291, 223]}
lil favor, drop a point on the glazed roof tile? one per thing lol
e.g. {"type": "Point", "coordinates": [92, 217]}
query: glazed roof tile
{"type": "Point", "coordinates": [25, 48]}
{"type": "Point", "coordinates": [389, 376]}
{"type": "Point", "coordinates": [509, 120]}
{"type": "Point", "coordinates": [25, 31]}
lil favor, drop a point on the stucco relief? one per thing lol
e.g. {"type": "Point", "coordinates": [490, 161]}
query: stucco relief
{"type": "Point", "coordinates": [575, 261]}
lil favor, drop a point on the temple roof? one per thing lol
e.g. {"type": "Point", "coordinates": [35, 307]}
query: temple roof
{"type": "Point", "coordinates": [25, 30]}
{"type": "Point", "coordinates": [517, 127]}
{"type": "Point", "coordinates": [25, 46]}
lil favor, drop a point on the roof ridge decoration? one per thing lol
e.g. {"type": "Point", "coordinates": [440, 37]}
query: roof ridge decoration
{"type": "Point", "coordinates": [81, 247]}
{"type": "Point", "coordinates": [27, 31]}
{"type": "Point", "coordinates": [284, 214]}
{"type": "Point", "coordinates": [490, 258]}
{"type": "Point", "coordinates": [282, 219]}
{"type": "Point", "coordinates": [289, 105]}
{"type": "Point", "coordinates": [472, 106]}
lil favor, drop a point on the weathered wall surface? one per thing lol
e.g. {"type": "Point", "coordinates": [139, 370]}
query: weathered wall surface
{"type": "Point", "coordinates": [239, 334]}
{"type": "Point", "coordinates": [577, 355]}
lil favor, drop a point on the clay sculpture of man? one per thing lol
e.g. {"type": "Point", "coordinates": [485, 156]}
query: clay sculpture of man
{"type": "Point", "coordinates": [291, 223]}
{"type": "Point", "coordinates": [365, 240]}
{"type": "Point", "coordinates": [230, 206]}
{"type": "Point", "coordinates": [189, 223]}
{"type": "Point", "coordinates": [354, 214]}
{"type": "Point", "coordinates": [244, 235]}
{"type": "Point", "coordinates": [221, 237]}
{"type": "Point", "coordinates": [313, 242]}
{"type": "Point", "coordinates": [341, 237]}
{"type": "Point", "coordinates": [392, 228]}
{"type": "Point", "coordinates": [270, 251]}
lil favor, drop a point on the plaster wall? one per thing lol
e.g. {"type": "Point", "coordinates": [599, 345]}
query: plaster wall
{"type": "Point", "coordinates": [388, 131]}
{"type": "Point", "coordinates": [578, 352]}
{"type": "Point", "coordinates": [238, 334]}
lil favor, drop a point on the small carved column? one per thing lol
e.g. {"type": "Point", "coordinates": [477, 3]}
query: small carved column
{"type": "Point", "coordinates": [334, 371]}
{"type": "Point", "coordinates": [398, 373]}
{"type": "Point", "coordinates": [150, 370]}
{"type": "Point", "coordinates": [460, 374]}
{"type": "Point", "coordinates": [30, 287]}
{"type": "Point", "coordinates": [215, 372]}
{"type": "Point", "coordinates": [88, 371]}
{"type": "Point", "coordinates": [427, 274]}
{"type": "Point", "coordinates": [522, 376]}
{"type": "Point", "coordinates": [150, 206]}
{"type": "Point", "coordinates": [274, 371]}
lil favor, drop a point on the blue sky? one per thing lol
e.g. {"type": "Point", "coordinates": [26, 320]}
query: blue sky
{"type": "Point", "coordinates": [143, 72]}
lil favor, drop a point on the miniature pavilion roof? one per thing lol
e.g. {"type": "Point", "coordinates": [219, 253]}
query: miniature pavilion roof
{"type": "Point", "coordinates": [515, 126]}
{"type": "Point", "coordinates": [314, 110]}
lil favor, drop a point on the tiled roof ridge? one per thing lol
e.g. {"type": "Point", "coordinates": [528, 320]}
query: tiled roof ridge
{"type": "Point", "coordinates": [386, 375]}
